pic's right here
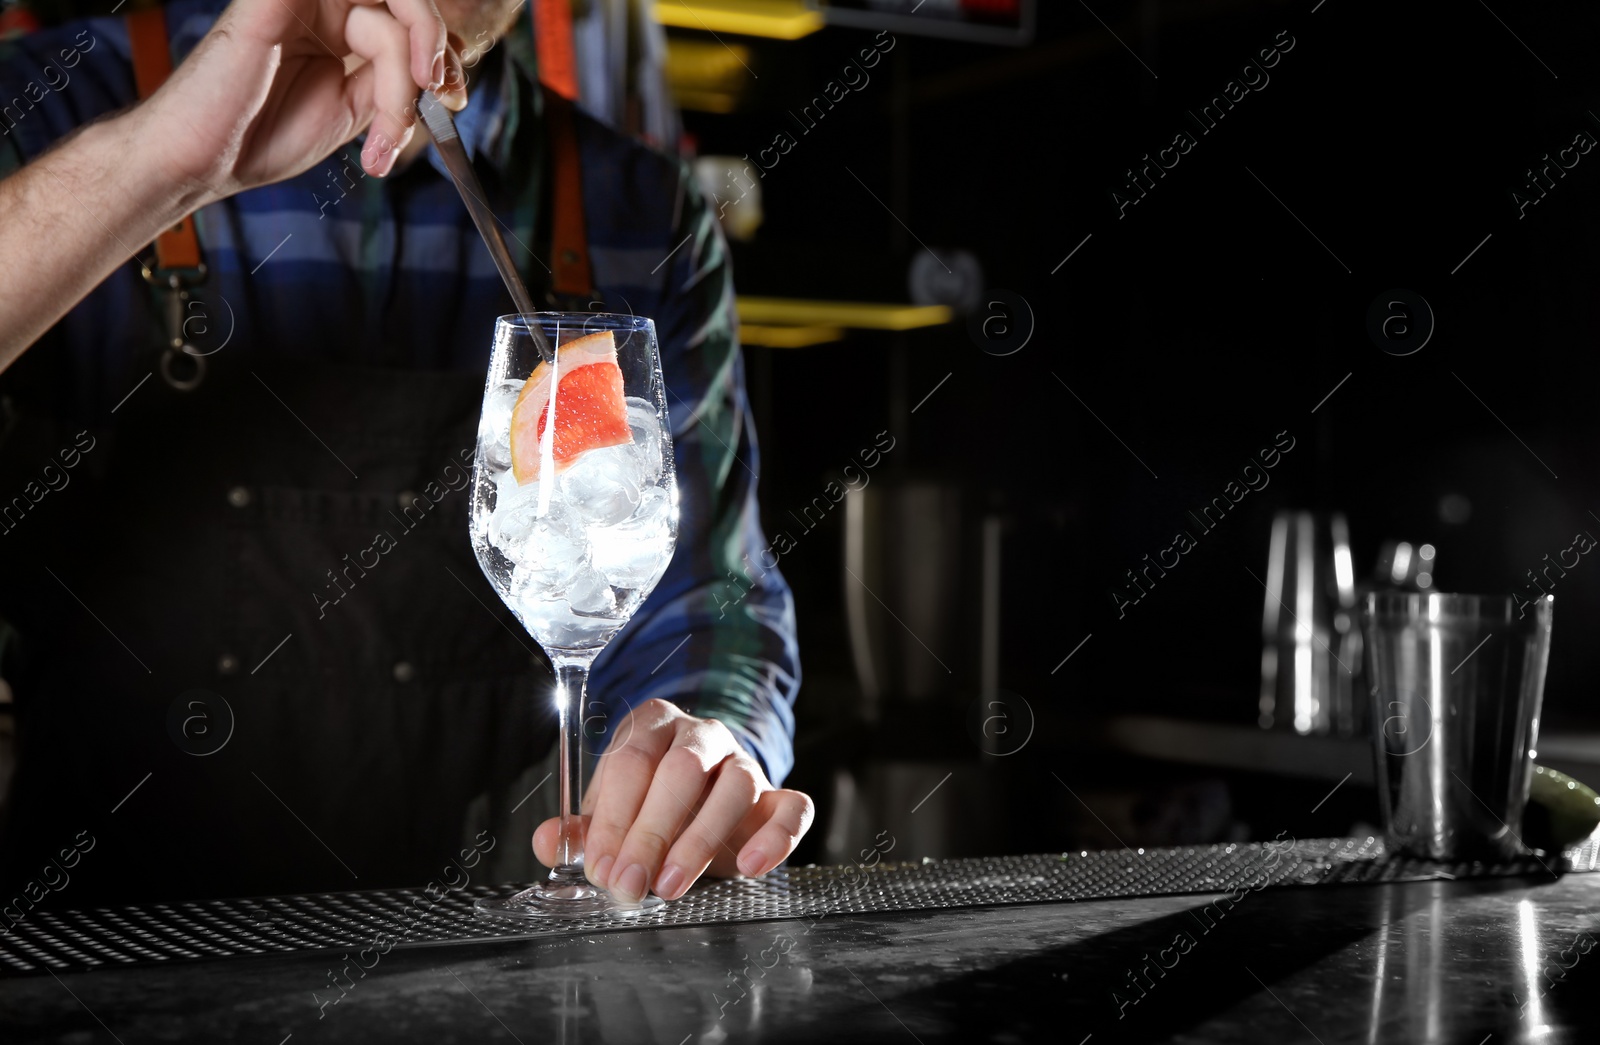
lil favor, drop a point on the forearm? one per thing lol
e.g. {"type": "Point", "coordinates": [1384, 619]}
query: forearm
{"type": "Point", "coordinates": [72, 216]}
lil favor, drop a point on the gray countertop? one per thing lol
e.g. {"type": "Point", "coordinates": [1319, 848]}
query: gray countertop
{"type": "Point", "coordinates": [1446, 961]}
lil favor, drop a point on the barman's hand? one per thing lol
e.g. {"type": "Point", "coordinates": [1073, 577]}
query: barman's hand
{"type": "Point", "coordinates": [277, 85]}
{"type": "Point", "coordinates": [271, 91]}
{"type": "Point", "coordinates": [676, 796]}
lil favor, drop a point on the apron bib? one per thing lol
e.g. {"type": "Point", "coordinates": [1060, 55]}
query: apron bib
{"type": "Point", "coordinates": [267, 660]}
{"type": "Point", "coordinates": [312, 683]}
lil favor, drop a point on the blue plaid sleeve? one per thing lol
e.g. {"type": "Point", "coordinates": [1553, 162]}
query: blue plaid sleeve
{"type": "Point", "coordinates": [718, 635]}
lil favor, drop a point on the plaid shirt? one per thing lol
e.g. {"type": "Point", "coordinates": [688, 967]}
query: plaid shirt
{"type": "Point", "coordinates": [337, 266]}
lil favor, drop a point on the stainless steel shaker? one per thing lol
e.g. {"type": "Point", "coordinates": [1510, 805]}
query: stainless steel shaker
{"type": "Point", "coordinates": [1456, 687]}
{"type": "Point", "coordinates": [1310, 651]}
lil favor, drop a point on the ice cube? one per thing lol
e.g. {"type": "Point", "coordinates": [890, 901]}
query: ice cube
{"type": "Point", "coordinates": [634, 553]}
{"type": "Point", "coordinates": [646, 427]}
{"type": "Point", "coordinates": [554, 623]}
{"type": "Point", "coordinates": [603, 486]}
{"type": "Point", "coordinates": [549, 550]}
{"type": "Point", "coordinates": [494, 425]}
{"type": "Point", "coordinates": [496, 566]}
{"type": "Point", "coordinates": [511, 494]}
{"type": "Point", "coordinates": [589, 593]}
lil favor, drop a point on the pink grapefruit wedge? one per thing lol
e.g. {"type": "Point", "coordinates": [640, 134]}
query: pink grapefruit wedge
{"type": "Point", "coordinates": [591, 411]}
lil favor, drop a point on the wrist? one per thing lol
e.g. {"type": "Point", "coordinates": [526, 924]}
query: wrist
{"type": "Point", "coordinates": [144, 135]}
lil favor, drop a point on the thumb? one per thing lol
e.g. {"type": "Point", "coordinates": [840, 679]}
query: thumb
{"type": "Point", "coordinates": [547, 838]}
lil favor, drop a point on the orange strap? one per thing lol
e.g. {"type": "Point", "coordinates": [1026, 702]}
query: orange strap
{"type": "Point", "coordinates": [178, 247]}
{"type": "Point", "coordinates": [570, 273]}
{"type": "Point", "coordinates": [552, 38]}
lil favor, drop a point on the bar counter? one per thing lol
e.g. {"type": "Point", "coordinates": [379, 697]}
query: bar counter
{"type": "Point", "coordinates": [1352, 947]}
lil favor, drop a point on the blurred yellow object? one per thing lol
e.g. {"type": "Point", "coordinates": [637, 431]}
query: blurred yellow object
{"type": "Point", "coordinates": [707, 64]}
{"type": "Point", "coordinates": [705, 101]}
{"type": "Point", "coordinates": [788, 337]}
{"type": "Point", "coordinates": [862, 315]}
{"type": "Point", "coordinates": [778, 19]}
{"type": "Point", "coordinates": [704, 75]}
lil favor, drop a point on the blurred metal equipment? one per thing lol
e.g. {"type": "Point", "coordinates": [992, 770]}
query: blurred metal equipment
{"type": "Point", "coordinates": [1404, 566]}
{"type": "Point", "coordinates": [928, 806]}
{"type": "Point", "coordinates": [1312, 648]}
{"type": "Point", "coordinates": [1457, 681]}
{"type": "Point", "coordinates": [922, 612]}
{"type": "Point", "coordinates": [735, 192]}
{"type": "Point", "coordinates": [951, 277]}
{"type": "Point", "coordinates": [989, 609]}
{"type": "Point", "coordinates": [1307, 678]}
{"type": "Point", "coordinates": [902, 542]}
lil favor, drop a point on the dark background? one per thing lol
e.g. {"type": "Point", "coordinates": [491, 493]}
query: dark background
{"type": "Point", "coordinates": [1197, 326]}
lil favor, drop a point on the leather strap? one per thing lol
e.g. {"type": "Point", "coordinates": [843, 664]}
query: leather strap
{"type": "Point", "coordinates": [18, 22]}
{"type": "Point", "coordinates": [552, 38]}
{"type": "Point", "coordinates": [178, 247]}
{"type": "Point", "coordinates": [570, 273]}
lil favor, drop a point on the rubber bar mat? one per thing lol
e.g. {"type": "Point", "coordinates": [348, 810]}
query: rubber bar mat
{"type": "Point", "coordinates": [45, 939]}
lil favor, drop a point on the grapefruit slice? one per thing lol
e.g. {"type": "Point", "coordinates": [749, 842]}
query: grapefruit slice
{"type": "Point", "coordinates": [591, 411]}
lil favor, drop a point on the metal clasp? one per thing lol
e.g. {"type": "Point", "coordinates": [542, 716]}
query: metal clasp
{"type": "Point", "coordinates": [183, 366]}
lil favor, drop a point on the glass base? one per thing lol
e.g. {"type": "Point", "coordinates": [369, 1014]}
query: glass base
{"type": "Point", "coordinates": [563, 896]}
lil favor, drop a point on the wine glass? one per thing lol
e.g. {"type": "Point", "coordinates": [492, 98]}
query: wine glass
{"type": "Point", "coordinates": [574, 519]}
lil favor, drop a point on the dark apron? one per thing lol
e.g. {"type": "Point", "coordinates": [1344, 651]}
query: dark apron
{"type": "Point", "coordinates": [375, 683]}
{"type": "Point", "coordinates": [260, 656]}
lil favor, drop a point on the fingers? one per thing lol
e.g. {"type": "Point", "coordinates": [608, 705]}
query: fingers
{"type": "Point", "coordinates": [787, 816]}
{"type": "Point", "coordinates": [621, 782]}
{"type": "Point", "coordinates": [454, 91]}
{"type": "Point", "coordinates": [425, 33]}
{"type": "Point", "coordinates": [681, 777]}
{"type": "Point", "coordinates": [732, 800]}
{"type": "Point", "coordinates": [676, 797]}
{"type": "Point", "coordinates": [385, 44]}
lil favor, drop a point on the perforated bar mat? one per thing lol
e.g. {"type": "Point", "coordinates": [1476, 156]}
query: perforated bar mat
{"type": "Point", "coordinates": [47, 938]}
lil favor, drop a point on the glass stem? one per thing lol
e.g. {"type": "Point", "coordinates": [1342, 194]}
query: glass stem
{"type": "Point", "coordinates": [572, 688]}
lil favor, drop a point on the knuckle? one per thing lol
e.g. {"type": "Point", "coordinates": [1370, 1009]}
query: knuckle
{"type": "Point", "coordinates": [684, 761]}
{"type": "Point", "coordinates": [629, 757]}
{"type": "Point", "coordinates": [748, 766]}
{"type": "Point", "coordinates": [740, 782]}
{"type": "Point", "coordinates": [646, 841]}
{"type": "Point", "coordinates": [607, 824]}
{"type": "Point", "coordinates": [699, 842]}
{"type": "Point", "coordinates": [656, 709]}
{"type": "Point", "coordinates": [713, 727]}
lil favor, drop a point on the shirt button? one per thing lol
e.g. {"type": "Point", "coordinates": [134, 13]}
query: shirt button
{"type": "Point", "coordinates": [239, 497]}
{"type": "Point", "coordinates": [227, 664]}
{"type": "Point", "coordinates": [404, 672]}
